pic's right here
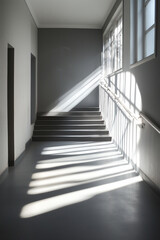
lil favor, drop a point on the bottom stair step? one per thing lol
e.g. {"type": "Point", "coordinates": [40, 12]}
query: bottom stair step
{"type": "Point", "coordinates": [71, 138]}
{"type": "Point", "coordinates": [75, 126]}
{"type": "Point", "coordinates": [70, 132]}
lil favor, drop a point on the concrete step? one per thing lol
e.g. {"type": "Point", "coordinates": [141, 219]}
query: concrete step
{"type": "Point", "coordinates": [71, 117]}
{"type": "Point", "coordinates": [71, 126]}
{"type": "Point", "coordinates": [81, 125]}
{"type": "Point", "coordinates": [86, 109]}
{"type": "Point", "coordinates": [71, 113]}
{"type": "Point", "coordinates": [70, 132]}
{"type": "Point", "coordinates": [66, 122]}
{"type": "Point", "coordinates": [71, 138]}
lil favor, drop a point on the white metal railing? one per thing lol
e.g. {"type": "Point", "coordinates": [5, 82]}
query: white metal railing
{"type": "Point", "coordinates": [150, 122]}
{"type": "Point", "coordinates": [138, 119]}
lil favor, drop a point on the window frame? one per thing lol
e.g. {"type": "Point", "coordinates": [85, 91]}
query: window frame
{"type": "Point", "coordinates": [134, 34]}
{"type": "Point", "coordinates": [116, 64]}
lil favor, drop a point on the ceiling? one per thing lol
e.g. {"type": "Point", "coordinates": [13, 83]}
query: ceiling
{"type": "Point", "coordinates": [70, 13]}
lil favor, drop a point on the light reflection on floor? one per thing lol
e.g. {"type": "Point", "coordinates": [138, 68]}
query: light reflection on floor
{"type": "Point", "coordinates": [95, 168]}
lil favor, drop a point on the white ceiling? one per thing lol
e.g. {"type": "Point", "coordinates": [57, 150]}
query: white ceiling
{"type": "Point", "coordinates": [70, 13]}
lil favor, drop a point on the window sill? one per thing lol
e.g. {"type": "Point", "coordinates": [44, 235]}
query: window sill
{"type": "Point", "coordinates": [147, 59]}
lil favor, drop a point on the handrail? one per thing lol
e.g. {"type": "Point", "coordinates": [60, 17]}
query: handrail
{"type": "Point", "coordinates": [124, 108]}
{"type": "Point", "coordinates": [138, 118]}
{"type": "Point", "coordinates": [153, 125]}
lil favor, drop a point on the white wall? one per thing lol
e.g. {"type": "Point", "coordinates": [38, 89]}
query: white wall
{"type": "Point", "coordinates": [18, 29]}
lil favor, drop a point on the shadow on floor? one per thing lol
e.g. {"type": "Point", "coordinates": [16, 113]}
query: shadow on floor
{"type": "Point", "coordinates": [77, 191]}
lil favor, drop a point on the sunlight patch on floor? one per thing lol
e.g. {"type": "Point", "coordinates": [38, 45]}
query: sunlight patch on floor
{"type": "Point", "coordinates": [50, 204]}
{"type": "Point", "coordinates": [79, 145]}
{"type": "Point", "coordinates": [52, 188]}
{"type": "Point", "coordinates": [53, 163]}
{"type": "Point", "coordinates": [79, 151]}
{"type": "Point", "coordinates": [73, 170]}
{"type": "Point", "coordinates": [101, 164]}
{"type": "Point", "coordinates": [76, 177]}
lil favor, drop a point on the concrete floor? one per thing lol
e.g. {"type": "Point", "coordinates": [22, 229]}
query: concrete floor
{"type": "Point", "coordinates": [76, 191]}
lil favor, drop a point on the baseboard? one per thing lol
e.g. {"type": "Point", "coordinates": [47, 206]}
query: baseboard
{"type": "Point", "coordinates": [146, 179]}
{"type": "Point", "coordinates": [3, 175]}
{"type": "Point", "coordinates": [28, 144]}
{"type": "Point", "coordinates": [23, 153]}
{"type": "Point", "coordinates": [153, 186]}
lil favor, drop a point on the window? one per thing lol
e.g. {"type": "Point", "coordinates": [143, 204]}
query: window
{"type": "Point", "coordinates": [113, 48]}
{"type": "Point", "coordinates": [142, 38]}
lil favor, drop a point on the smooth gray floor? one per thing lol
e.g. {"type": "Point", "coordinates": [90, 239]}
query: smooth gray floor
{"type": "Point", "coordinates": [76, 191]}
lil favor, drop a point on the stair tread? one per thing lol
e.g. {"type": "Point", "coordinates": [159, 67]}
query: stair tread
{"type": "Point", "coordinates": [78, 125]}
{"type": "Point", "coordinates": [90, 113]}
{"type": "Point", "coordinates": [76, 117]}
{"type": "Point", "coordinates": [70, 120]}
{"type": "Point", "coordinates": [86, 109]}
{"type": "Point", "coordinates": [96, 135]}
{"type": "Point", "coordinates": [74, 130]}
{"type": "Point", "coordinates": [69, 117]}
{"type": "Point", "coordinates": [71, 126]}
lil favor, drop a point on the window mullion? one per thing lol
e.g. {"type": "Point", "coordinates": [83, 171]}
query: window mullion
{"type": "Point", "coordinates": [135, 30]}
{"type": "Point", "coordinates": [143, 25]}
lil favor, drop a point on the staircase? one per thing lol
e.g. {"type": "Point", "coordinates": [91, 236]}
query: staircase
{"type": "Point", "coordinates": [77, 125]}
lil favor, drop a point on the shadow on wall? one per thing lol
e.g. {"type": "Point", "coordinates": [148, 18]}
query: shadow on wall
{"type": "Point", "coordinates": [78, 93]}
{"type": "Point", "coordinates": [123, 127]}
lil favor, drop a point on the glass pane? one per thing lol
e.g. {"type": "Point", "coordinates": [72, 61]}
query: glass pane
{"type": "Point", "coordinates": [132, 32]}
{"type": "Point", "coordinates": [139, 30]}
{"type": "Point", "coordinates": [149, 14]}
{"type": "Point", "coordinates": [119, 45]}
{"type": "Point", "coordinates": [149, 43]}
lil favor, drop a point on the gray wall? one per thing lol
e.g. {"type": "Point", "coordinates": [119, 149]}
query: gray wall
{"type": "Point", "coordinates": [142, 144]}
{"type": "Point", "coordinates": [147, 78]}
{"type": "Point", "coordinates": [146, 74]}
{"type": "Point", "coordinates": [66, 58]}
{"type": "Point", "coordinates": [18, 29]}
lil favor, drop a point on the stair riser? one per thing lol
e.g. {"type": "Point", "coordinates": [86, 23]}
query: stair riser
{"type": "Point", "coordinates": [74, 113]}
{"type": "Point", "coordinates": [72, 126]}
{"type": "Point", "coordinates": [39, 127]}
{"type": "Point", "coordinates": [70, 132]}
{"type": "Point", "coordinates": [86, 109]}
{"type": "Point", "coordinates": [36, 138]}
{"type": "Point", "coordinates": [62, 122]}
{"type": "Point", "coordinates": [49, 118]}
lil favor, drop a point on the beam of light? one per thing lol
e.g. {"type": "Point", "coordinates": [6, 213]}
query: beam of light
{"type": "Point", "coordinates": [71, 170]}
{"type": "Point", "coordinates": [83, 145]}
{"type": "Point", "coordinates": [76, 152]}
{"type": "Point", "coordinates": [53, 203]}
{"type": "Point", "coordinates": [81, 157]}
{"type": "Point", "coordinates": [89, 156]}
{"type": "Point", "coordinates": [47, 189]}
{"type": "Point", "coordinates": [79, 92]}
{"type": "Point", "coordinates": [80, 176]}
{"type": "Point", "coordinates": [53, 164]}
